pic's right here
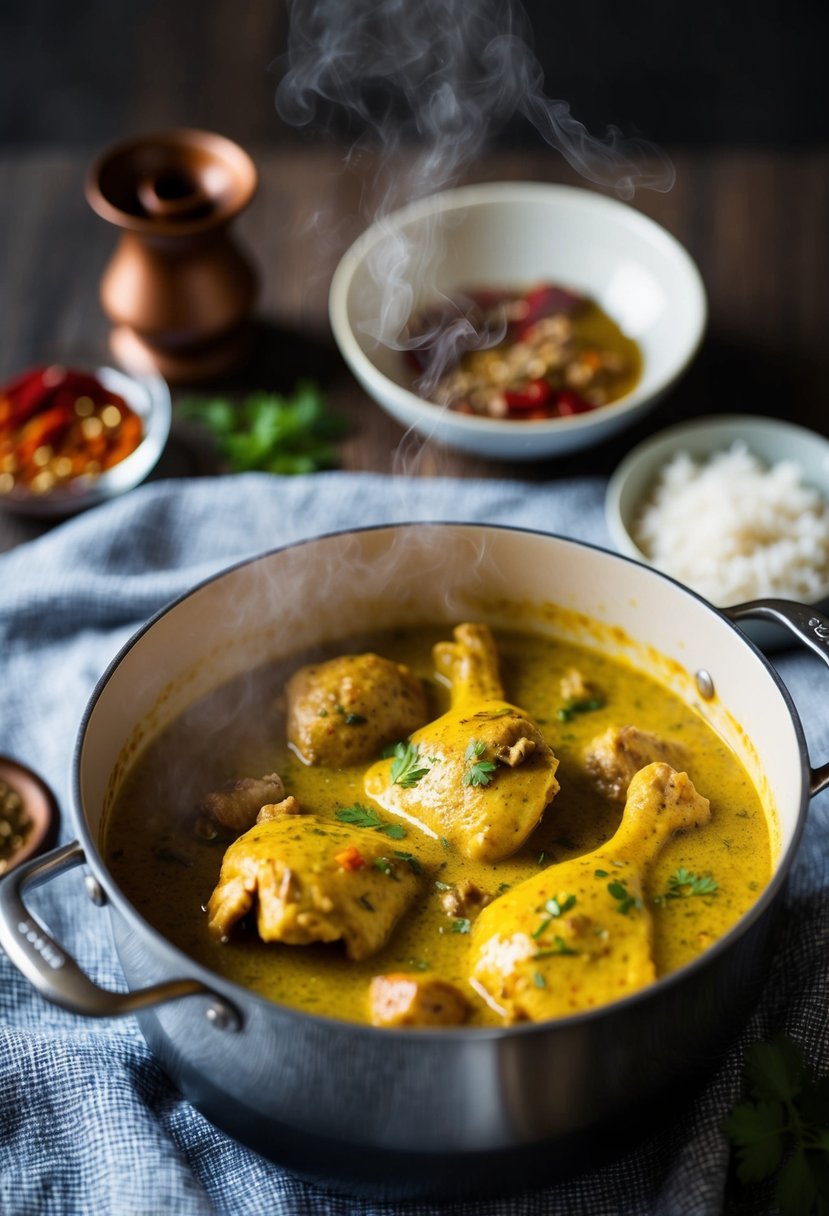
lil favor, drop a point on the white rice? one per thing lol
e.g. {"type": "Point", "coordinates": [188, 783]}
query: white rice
{"type": "Point", "coordinates": [734, 529]}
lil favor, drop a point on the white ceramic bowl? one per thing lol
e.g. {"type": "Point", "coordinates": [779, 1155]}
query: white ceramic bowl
{"type": "Point", "coordinates": [770, 439]}
{"type": "Point", "coordinates": [147, 393]}
{"type": "Point", "coordinates": [512, 234]}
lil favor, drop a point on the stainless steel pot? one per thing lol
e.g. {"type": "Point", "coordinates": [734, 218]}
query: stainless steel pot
{"type": "Point", "coordinates": [431, 1112]}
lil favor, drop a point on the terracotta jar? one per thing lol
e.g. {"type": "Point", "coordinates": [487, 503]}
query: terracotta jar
{"type": "Point", "coordinates": [178, 290]}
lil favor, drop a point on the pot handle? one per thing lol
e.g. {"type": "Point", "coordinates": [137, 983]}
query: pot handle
{"type": "Point", "coordinates": [58, 977]}
{"type": "Point", "coordinates": [808, 626]}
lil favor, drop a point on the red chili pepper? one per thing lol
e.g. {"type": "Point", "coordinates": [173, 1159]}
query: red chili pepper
{"type": "Point", "coordinates": [568, 403]}
{"type": "Point", "coordinates": [350, 858]}
{"type": "Point", "coordinates": [545, 301]}
{"type": "Point", "coordinates": [534, 394]}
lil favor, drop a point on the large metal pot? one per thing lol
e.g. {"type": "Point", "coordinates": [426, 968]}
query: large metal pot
{"type": "Point", "coordinates": [431, 1112]}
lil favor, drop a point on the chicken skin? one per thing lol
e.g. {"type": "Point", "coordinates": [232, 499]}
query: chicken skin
{"type": "Point", "coordinates": [311, 880]}
{"type": "Point", "coordinates": [579, 934]}
{"type": "Point", "coordinates": [345, 710]}
{"type": "Point", "coordinates": [614, 757]}
{"type": "Point", "coordinates": [236, 804]}
{"type": "Point", "coordinates": [482, 774]}
{"type": "Point", "coordinates": [413, 1000]}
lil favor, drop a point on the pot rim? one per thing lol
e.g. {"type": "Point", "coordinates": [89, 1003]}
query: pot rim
{"type": "Point", "coordinates": [240, 995]}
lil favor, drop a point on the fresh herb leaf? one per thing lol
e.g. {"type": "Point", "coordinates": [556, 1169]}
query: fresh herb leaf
{"type": "Point", "coordinates": [489, 714]}
{"type": "Point", "coordinates": [560, 947]}
{"type": "Point", "coordinates": [538, 980]}
{"type": "Point", "coordinates": [584, 705]}
{"type": "Point", "coordinates": [365, 817]}
{"type": "Point", "coordinates": [478, 772]}
{"type": "Point", "coordinates": [461, 924]}
{"type": "Point", "coordinates": [553, 908]}
{"type": "Point", "coordinates": [385, 866]}
{"type": "Point", "coordinates": [271, 432]}
{"type": "Point", "coordinates": [685, 883]}
{"type": "Point", "coordinates": [600, 873]}
{"type": "Point", "coordinates": [624, 900]}
{"type": "Point", "coordinates": [783, 1125]}
{"type": "Point", "coordinates": [404, 766]}
{"type": "Point", "coordinates": [350, 719]}
{"type": "Point", "coordinates": [411, 861]}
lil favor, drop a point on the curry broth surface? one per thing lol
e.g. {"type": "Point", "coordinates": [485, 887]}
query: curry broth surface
{"type": "Point", "coordinates": [168, 872]}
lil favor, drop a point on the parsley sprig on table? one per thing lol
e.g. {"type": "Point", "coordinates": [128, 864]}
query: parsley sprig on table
{"type": "Point", "coordinates": [783, 1126]}
{"type": "Point", "coordinates": [271, 432]}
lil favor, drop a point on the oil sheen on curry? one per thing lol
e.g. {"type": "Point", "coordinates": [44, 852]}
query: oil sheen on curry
{"type": "Point", "coordinates": [441, 828]}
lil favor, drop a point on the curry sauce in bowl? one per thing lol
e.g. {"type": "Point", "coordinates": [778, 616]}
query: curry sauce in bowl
{"type": "Point", "coordinates": [640, 912]}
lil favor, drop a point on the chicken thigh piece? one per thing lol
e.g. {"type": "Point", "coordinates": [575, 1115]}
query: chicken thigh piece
{"type": "Point", "coordinates": [579, 934]}
{"type": "Point", "coordinates": [311, 880]}
{"type": "Point", "coordinates": [343, 711]}
{"type": "Point", "coordinates": [482, 774]}
{"type": "Point", "coordinates": [614, 757]}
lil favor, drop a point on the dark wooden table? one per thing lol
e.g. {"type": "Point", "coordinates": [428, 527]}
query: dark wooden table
{"type": "Point", "coordinates": [757, 224]}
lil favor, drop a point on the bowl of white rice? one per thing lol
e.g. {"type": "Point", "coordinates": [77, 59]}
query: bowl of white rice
{"type": "Point", "coordinates": [735, 507]}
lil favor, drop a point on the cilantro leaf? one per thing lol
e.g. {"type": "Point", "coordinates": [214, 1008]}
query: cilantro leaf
{"type": "Point", "coordinates": [683, 883]}
{"type": "Point", "coordinates": [478, 772]}
{"type": "Point", "coordinates": [272, 432]}
{"type": "Point", "coordinates": [756, 1130]}
{"type": "Point", "coordinates": [404, 766]}
{"type": "Point", "coordinates": [774, 1071]}
{"type": "Point", "coordinates": [785, 1126]}
{"type": "Point", "coordinates": [365, 817]}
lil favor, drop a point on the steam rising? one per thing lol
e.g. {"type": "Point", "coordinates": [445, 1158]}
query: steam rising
{"type": "Point", "coordinates": [436, 79]}
{"type": "Point", "coordinates": [447, 74]}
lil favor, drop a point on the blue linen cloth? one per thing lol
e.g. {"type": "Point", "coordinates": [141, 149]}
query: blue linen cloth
{"type": "Point", "coordinates": [89, 1123]}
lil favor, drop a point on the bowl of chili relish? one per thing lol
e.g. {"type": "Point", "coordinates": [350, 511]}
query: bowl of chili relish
{"type": "Point", "coordinates": [517, 320]}
{"type": "Point", "coordinates": [73, 436]}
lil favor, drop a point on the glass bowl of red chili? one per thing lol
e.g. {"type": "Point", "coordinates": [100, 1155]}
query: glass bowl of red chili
{"type": "Point", "coordinates": [517, 320]}
{"type": "Point", "coordinates": [74, 435]}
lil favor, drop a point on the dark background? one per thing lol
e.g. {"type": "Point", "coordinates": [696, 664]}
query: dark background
{"type": "Point", "coordinates": [681, 73]}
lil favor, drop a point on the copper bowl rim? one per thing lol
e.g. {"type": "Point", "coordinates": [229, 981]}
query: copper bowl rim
{"type": "Point", "coordinates": [176, 137]}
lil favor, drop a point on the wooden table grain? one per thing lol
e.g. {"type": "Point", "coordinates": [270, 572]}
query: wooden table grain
{"type": "Point", "coordinates": [756, 223]}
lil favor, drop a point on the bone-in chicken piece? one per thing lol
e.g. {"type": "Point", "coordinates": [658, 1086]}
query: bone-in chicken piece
{"type": "Point", "coordinates": [237, 803]}
{"type": "Point", "coordinates": [311, 880]}
{"type": "Point", "coordinates": [482, 774]}
{"type": "Point", "coordinates": [614, 757]}
{"type": "Point", "coordinates": [579, 934]}
{"type": "Point", "coordinates": [413, 1000]}
{"type": "Point", "coordinates": [345, 710]}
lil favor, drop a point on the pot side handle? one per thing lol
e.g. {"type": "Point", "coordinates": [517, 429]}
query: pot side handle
{"type": "Point", "coordinates": [808, 626]}
{"type": "Point", "coordinates": [58, 977]}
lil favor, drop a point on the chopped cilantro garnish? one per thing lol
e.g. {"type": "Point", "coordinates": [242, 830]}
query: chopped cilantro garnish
{"type": "Point", "coordinates": [559, 948]}
{"type": "Point", "coordinates": [684, 883]}
{"type": "Point", "coordinates": [404, 767]}
{"type": "Point", "coordinates": [461, 924]}
{"type": "Point", "coordinates": [366, 817]}
{"type": "Point", "coordinates": [624, 900]}
{"type": "Point", "coordinates": [553, 908]}
{"type": "Point", "coordinates": [584, 705]}
{"type": "Point", "coordinates": [478, 772]}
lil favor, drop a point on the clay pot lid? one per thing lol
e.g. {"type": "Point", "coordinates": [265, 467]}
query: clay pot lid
{"type": "Point", "coordinates": [171, 183]}
{"type": "Point", "coordinates": [29, 807]}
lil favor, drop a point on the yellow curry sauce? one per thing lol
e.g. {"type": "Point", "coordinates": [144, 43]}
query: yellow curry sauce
{"type": "Point", "coordinates": [168, 872]}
